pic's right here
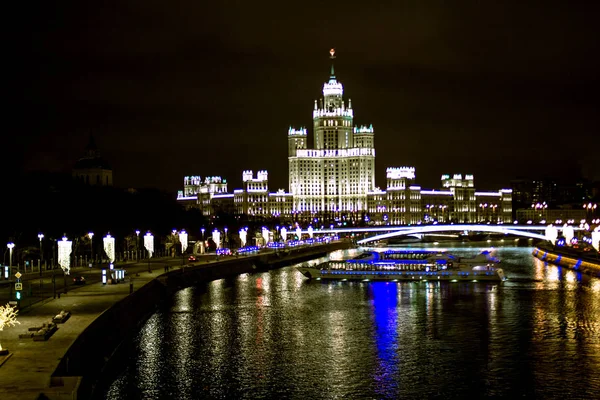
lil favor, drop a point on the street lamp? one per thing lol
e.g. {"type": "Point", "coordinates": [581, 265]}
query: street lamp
{"type": "Point", "coordinates": [183, 239]}
{"type": "Point", "coordinates": [149, 245]}
{"type": "Point", "coordinates": [10, 246]}
{"type": "Point", "coordinates": [137, 245]}
{"type": "Point", "coordinates": [41, 236]}
{"type": "Point", "coordinates": [91, 235]}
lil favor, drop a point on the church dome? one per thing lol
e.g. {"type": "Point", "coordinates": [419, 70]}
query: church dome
{"type": "Point", "coordinates": [92, 158]}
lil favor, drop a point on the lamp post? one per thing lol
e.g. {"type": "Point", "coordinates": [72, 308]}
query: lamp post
{"type": "Point", "coordinates": [91, 236]}
{"type": "Point", "coordinates": [203, 242]}
{"type": "Point", "coordinates": [10, 246]}
{"type": "Point", "coordinates": [183, 239]}
{"type": "Point", "coordinates": [590, 209]}
{"type": "Point", "coordinates": [137, 246]}
{"type": "Point", "coordinates": [149, 245]}
{"type": "Point", "coordinates": [41, 236]}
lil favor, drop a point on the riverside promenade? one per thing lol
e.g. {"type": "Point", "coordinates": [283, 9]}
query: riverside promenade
{"type": "Point", "coordinates": [26, 373]}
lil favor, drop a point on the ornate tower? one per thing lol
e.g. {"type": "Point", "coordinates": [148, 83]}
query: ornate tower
{"type": "Point", "coordinates": [332, 121]}
{"type": "Point", "coordinates": [334, 177]}
{"type": "Point", "coordinates": [92, 169]}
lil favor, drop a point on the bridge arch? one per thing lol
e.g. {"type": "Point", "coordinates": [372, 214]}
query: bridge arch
{"type": "Point", "coordinates": [505, 229]}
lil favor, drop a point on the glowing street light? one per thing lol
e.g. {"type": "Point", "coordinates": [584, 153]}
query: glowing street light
{"type": "Point", "coordinates": [10, 246]}
{"type": "Point", "coordinates": [91, 235]}
{"type": "Point", "coordinates": [183, 238]}
{"type": "Point", "coordinates": [243, 236]}
{"type": "Point", "coordinates": [137, 244]}
{"type": "Point", "coordinates": [65, 247]}
{"type": "Point", "coordinates": [149, 245]}
{"type": "Point", "coordinates": [216, 237]}
{"type": "Point", "coordinates": [109, 249]}
{"type": "Point", "coordinates": [41, 236]}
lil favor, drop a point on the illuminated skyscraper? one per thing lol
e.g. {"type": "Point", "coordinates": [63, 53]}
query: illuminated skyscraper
{"type": "Point", "coordinates": [335, 180]}
{"type": "Point", "coordinates": [337, 174]}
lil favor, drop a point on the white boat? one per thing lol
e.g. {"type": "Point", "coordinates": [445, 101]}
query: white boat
{"type": "Point", "coordinates": [437, 267]}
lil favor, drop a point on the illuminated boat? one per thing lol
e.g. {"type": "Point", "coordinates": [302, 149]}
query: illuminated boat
{"type": "Point", "coordinates": [436, 267]}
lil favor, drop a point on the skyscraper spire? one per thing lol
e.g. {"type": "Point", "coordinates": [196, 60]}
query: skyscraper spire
{"type": "Point", "coordinates": [332, 56]}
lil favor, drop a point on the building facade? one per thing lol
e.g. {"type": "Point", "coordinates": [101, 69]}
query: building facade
{"type": "Point", "coordinates": [337, 174]}
{"type": "Point", "coordinates": [336, 180]}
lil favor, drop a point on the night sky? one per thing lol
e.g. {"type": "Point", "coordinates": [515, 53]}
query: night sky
{"type": "Point", "coordinates": [500, 89]}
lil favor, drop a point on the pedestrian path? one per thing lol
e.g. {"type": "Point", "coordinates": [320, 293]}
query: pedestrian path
{"type": "Point", "coordinates": [27, 372]}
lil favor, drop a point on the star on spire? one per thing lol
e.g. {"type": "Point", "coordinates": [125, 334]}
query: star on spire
{"type": "Point", "coordinates": [332, 56]}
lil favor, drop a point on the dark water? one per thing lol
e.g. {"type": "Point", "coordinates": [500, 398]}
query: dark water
{"type": "Point", "coordinates": [276, 335]}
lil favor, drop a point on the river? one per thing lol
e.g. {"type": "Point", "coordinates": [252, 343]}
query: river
{"type": "Point", "coordinates": [276, 335]}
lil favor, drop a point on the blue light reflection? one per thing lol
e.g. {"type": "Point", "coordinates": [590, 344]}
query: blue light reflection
{"type": "Point", "coordinates": [384, 306]}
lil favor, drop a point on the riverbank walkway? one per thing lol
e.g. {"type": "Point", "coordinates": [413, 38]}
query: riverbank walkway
{"type": "Point", "coordinates": [26, 371]}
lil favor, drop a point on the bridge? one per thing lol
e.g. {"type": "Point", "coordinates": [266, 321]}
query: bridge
{"type": "Point", "coordinates": [527, 231]}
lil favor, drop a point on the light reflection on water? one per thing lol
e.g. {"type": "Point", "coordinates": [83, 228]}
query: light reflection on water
{"type": "Point", "coordinates": [276, 335]}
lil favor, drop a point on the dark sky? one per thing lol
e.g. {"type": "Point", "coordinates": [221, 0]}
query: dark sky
{"type": "Point", "coordinates": [496, 88]}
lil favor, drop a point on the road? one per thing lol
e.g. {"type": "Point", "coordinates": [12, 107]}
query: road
{"type": "Point", "coordinates": [51, 284]}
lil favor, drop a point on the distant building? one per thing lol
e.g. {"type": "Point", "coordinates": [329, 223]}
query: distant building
{"type": "Point", "coordinates": [528, 192]}
{"type": "Point", "coordinates": [336, 180]}
{"type": "Point", "coordinates": [551, 216]}
{"type": "Point", "coordinates": [92, 169]}
{"type": "Point", "coordinates": [200, 194]}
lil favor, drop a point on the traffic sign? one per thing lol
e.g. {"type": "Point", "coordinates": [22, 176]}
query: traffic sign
{"type": "Point", "coordinates": [18, 286]}
{"type": "Point", "coordinates": [18, 275]}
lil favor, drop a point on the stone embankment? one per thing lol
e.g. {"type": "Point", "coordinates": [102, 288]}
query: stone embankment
{"type": "Point", "coordinates": [69, 362]}
{"type": "Point", "coordinates": [575, 259]}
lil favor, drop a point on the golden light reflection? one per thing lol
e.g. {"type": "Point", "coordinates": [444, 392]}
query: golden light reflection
{"type": "Point", "coordinates": [571, 278]}
{"type": "Point", "coordinates": [215, 290]}
{"type": "Point", "coordinates": [265, 289]}
{"type": "Point", "coordinates": [150, 357]}
{"type": "Point", "coordinates": [538, 268]}
{"type": "Point", "coordinates": [218, 324]}
{"type": "Point", "coordinates": [540, 319]}
{"type": "Point", "coordinates": [552, 274]}
{"type": "Point", "coordinates": [183, 323]}
{"type": "Point", "coordinates": [182, 300]}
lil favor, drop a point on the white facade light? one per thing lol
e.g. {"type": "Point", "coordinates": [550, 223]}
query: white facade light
{"type": "Point", "coordinates": [243, 237]}
{"type": "Point", "coordinates": [183, 238]}
{"type": "Point", "coordinates": [149, 244]}
{"type": "Point", "coordinates": [65, 247]}
{"type": "Point", "coordinates": [216, 237]}
{"type": "Point", "coordinates": [310, 232]}
{"type": "Point", "coordinates": [283, 233]}
{"type": "Point", "coordinates": [596, 239]}
{"type": "Point", "coordinates": [109, 247]}
{"type": "Point", "coordinates": [568, 233]}
{"type": "Point", "coordinates": [551, 233]}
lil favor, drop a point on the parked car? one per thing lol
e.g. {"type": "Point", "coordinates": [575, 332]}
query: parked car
{"type": "Point", "coordinates": [192, 259]}
{"type": "Point", "coordinates": [78, 280]}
